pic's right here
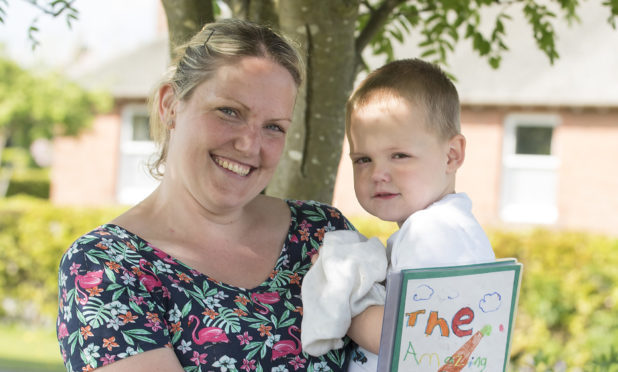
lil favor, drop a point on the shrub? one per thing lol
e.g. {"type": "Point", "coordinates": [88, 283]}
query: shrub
{"type": "Point", "coordinates": [25, 176]}
{"type": "Point", "coordinates": [33, 236]}
{"type": "Point", "coordinates": [568, 303]}
{"type": "Point", "coordinates": [33, 182]}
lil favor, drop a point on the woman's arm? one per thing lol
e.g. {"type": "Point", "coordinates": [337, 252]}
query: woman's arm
{"type": "Point", "coordinates": [157, 360]}
{"type": "Point", "coordinates": [366, 328]}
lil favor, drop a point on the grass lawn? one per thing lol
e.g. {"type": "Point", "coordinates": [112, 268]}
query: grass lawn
{"type": "Point", "coordinates": [29, 350]}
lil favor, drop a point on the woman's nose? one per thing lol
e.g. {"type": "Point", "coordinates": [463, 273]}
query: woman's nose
{"type": "Point", "coordinates": [248, 140]}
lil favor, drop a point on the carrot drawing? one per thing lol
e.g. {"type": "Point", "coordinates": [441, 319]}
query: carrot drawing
{"type": "Point", "coordinates": [461, 356]}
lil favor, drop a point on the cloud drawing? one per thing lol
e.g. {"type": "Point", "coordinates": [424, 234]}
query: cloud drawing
{"type": "Point", "coordinates": [422, 293]}
{"type": "Point", "coordinates": [490, 302]}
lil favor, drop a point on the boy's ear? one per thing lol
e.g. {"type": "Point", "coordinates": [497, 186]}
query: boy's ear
{"type": "Point", "coordinates": [456, 153]}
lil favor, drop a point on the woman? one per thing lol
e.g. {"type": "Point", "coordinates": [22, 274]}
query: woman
{"type": "Point", "coordinates": [205, 273]}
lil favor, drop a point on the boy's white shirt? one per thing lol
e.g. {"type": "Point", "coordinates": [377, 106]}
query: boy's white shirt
{"type": "Point", "coordinates": [443, 234]}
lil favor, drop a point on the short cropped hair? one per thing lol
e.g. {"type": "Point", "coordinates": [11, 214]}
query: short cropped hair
{"type": "Point", "coordinates": [420, 83]}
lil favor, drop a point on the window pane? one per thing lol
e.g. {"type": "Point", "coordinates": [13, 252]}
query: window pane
{"type": "Point", "coordinates": [141, 129]}
{"type": "Point", "coordinates": [533, 140]}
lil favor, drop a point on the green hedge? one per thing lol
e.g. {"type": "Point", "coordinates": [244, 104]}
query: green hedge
{"type": "Point", "coordinates": [26, 177]}
{"type": "Point", "coordinates": [568, 306]}
{"type": "Point", "coordinates": [33, 236]}
{"type": "Point", "coordinates": [33, 182]}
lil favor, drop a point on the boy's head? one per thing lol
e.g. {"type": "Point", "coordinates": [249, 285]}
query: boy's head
{"type": "Point", "coordinates": [402, 123]}
{"type": "Point", "coordinates": [421, 83]}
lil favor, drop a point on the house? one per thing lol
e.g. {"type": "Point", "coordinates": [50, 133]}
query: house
{"type": "Point", "coordinates": [541, 139]}
{"type": "Point", "coordinates": [106, 164]}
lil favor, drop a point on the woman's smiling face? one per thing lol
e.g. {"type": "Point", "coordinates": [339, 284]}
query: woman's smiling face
{"type": "Point", "coordinates": [227, 138]}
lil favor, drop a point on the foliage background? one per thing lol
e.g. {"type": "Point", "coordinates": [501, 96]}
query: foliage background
{"type": "Point", "coordinates": [568, 308]}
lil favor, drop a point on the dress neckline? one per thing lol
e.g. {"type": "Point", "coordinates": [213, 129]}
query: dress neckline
{"type": "Point", "coordinates": [283, 250]}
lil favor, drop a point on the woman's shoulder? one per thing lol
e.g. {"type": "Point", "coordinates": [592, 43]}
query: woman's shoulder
{"type": "Point", "coordinates": [315, 211]}
{"type": "Point", "coordinates": [105, 242]}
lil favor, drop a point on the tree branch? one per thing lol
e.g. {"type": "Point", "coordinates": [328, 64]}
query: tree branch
{"type": "Point", "coordinates": [65, 5]}
{"type": "Point", "coordinates": [378, 18]}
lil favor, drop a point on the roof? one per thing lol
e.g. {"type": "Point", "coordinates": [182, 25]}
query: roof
{"type": "Point", "coordinates": [130, 75]}
{"type": "Point", "coordinates": [586, 74]}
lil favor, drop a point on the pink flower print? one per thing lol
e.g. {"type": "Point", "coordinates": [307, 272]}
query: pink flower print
{"type": "Point", "coordinates": [244, 338]}
{"type": "Point", "coordinates": [312, 253]}
{"type": "Point", "coordinates": [155, 326]}
{"type": "Point", "coordinates": [107, 359]}
{"type": "Point", "coordinates": [138, 300]}
{"type": "Point", "coordinates": [199, 358]}
{"type": "Point", "coordinates": [73, 269]}
{"type": "Point", "coordinates": [166, 292]}
{"type": "Point", "coordinates": [305, 225]}
{"type": "Point", "coordinates": [248, 365]}
{"type": "Point", "coordinates": [298, 362]}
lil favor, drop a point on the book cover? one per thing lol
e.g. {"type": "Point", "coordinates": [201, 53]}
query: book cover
{"type": "Point", "coordinates": [450, 319]}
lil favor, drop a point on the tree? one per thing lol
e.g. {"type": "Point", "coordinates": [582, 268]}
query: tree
{"type": "Point", "coordinates": [333, 35]}
{"type": "Point", "coordinates": [40, 106]}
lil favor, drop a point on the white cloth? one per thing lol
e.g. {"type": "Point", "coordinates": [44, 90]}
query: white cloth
{"type": "Point", "coordinates": [443, 234]}
{"type": "Point", "coordinates": [340, 285]}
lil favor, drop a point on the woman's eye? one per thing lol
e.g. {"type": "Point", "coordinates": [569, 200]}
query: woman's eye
{"type": "Point", "coordinates": [362, 160]}
{"type": "Point", "coordinates": [228, 111]}
{"type": "Point", "coordinates": [276, 128]}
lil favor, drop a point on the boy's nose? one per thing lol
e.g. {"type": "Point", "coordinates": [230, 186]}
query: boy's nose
{"type": "Point", "coordinates": [380, 174]}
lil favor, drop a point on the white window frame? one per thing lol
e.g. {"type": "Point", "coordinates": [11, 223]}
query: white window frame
{"type": "Point", "coordinates": [539, 213]}
{"type": "Point", "coordinates": [131, 194]}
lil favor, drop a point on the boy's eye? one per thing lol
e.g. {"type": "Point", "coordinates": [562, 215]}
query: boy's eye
{"type": "Point", "coordinates": [400, 155]}
{"type": "Point", "coordinates": [361, 160]}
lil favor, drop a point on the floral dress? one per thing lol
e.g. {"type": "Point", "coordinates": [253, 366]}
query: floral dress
{"type": "Point", "coordinates": [119, 296]}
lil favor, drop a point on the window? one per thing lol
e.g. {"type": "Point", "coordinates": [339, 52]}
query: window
{"type": "Point", "coordinates": [529, 169]}
{"type": "Point", "coordinates": [140, 127]}
{"type": "Point", "coordinates": [533, 140]}
{"type": "Point", "coordinates": [136, 148]}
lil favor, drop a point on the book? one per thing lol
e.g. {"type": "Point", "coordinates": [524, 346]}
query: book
{"type": "Point", "coordinates": [450, 319]}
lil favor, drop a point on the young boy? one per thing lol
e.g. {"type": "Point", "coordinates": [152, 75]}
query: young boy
{"type": "Point", "coordinates": [402, 124]}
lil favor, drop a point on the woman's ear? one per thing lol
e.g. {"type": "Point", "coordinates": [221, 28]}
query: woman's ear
{"type": "Point", "coordinates": [167, 105]}
{"type": "Point", "coordinates": [456, 153]}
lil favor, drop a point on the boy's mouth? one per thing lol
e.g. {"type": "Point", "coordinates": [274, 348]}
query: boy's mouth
{"type": "Point", "coordinates": [234, 167]}
{"type": "Point", "coordinates": [384, 195]}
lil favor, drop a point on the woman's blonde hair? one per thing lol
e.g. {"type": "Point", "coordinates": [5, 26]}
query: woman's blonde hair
{"type": "Point", "coordinates": [217, 44]}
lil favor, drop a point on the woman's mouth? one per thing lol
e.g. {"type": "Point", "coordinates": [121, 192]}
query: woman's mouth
{"type": "Point", "coordinates": [232, 166]}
